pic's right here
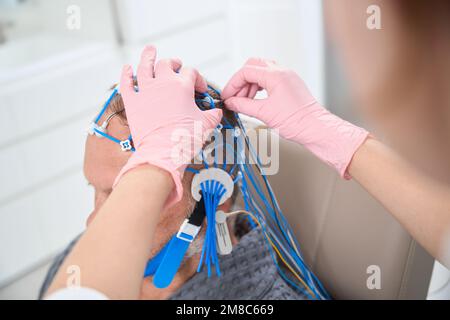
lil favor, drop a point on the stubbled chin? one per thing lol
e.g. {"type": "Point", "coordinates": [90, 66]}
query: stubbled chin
{"type": "Point", "coordinates": [158, 244]}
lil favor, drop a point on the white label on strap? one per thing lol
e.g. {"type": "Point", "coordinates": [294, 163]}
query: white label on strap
{"type": "Point", "coordinates": [223, 238]}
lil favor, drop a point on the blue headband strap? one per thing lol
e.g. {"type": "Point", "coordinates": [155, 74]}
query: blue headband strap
{"type": "Point", "coordinates": [105, 106]}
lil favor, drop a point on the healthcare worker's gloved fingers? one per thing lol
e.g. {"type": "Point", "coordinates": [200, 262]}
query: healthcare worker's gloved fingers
{"type": "Point", "coordinates": [250, 90]}
{"type": "Point", "coordinates": [259, 62]}
{"type": "Point", "coordinates": [260, 76]}
{"type": "Point", "coordinates": [294, 112]}
{"type": "Point", "coordinates": [195, 78]}
{"type": "Point", "coordinates": [248, 106]}
{"type": "Point", "coordinates": [126, 80]}
{"type": "Point", "coordinates": [145, 71]}
{"type": "Point", "coordinates": [244, 91]}
{"type": "Point", "coordinates": [254, 88]}
{"type": "Point", "coordinates": [167, 67]}
{"type": "Point", "coordinates": [211, 118]}
{"type": "Point", "coordinates": [164, 106]}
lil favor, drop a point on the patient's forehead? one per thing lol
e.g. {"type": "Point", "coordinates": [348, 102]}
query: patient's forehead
{"type": "Point", "coordinates": [103, 157]}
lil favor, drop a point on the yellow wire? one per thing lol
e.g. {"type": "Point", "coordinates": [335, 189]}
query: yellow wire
{"type": "Point", "coordinates": [277, 251]}
{"type": "Point", "coordinates": [290, 268]}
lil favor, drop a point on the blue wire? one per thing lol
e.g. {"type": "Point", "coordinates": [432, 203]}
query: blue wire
{"type": "Point", "coordinates": [215, 90]}
{"type": "Point", "coordinates": [279, 269]}
{"type": "Point", "coordinates": [299, 263]}
{"type": "Point", "coordinates": [107, 136]}
{"type": "Point", "coordinates": [212, 192]}
{"type": "Point", "coordinates": [194, 171]}
{"type": "Point", "coordinates": [273, 210]}
{"type": "Point", "coordinates": [293, 253]}
{"type": "Point", "coordinates": [115, 140]}
{"type": "Point", "coordinates": [203, 160]}
{"type": "Point", "coordinates": [105, 106]}
{"type": "Point", "coordinates": [272, 253]}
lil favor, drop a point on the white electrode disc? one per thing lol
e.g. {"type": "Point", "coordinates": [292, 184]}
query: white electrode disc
{"type": "Point", "coordinates": [212, 174]}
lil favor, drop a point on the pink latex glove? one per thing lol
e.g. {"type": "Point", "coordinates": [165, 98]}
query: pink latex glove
{"type": "Point", "coordinates": [294, 112]}
{"type": "Point", "coordinates": [163, 104]}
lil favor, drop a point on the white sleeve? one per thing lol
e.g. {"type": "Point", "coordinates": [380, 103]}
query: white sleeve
{"type": "Point", "coordinates": [77, 293]}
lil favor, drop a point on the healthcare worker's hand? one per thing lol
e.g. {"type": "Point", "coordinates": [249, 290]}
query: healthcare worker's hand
{"type": "Point", "coordinates": [294, 112]}
{"type": "Point", "coordinates": [161, 111]}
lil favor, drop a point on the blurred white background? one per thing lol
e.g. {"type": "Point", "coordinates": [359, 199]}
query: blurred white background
{"type": "Point", "coordinates": [54, 78]}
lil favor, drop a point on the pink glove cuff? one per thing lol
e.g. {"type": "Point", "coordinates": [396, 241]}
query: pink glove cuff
{"type": "Point", "coordinates": [157, 154]}
{"type": "Point", "coordinates": [356, 142]}
{"type": "Point", "coordinates": [330, 138]}
{"type": "Point", "coordinates": [177, 193]}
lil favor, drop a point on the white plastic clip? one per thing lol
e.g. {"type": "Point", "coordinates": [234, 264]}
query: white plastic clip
{"type": "Point", "coordinates": [211, 174]}
{"type": "Point", "coordinates": [187, 231]}
{"type": "Point", "coordinates": [223, 238]}
{"type": "Point", "coordinates": [91, 130]}
{"type": "Point", "coordinates": [126, 145]}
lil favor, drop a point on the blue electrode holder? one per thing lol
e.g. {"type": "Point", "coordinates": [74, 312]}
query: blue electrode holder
{"type": "Point", "coordinates": [166, 263]}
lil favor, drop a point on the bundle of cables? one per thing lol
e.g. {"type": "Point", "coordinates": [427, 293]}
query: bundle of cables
{"type": "Point", "coordinates": [260, 203]}
{"type": "Point", "coordinates": [211, 187]}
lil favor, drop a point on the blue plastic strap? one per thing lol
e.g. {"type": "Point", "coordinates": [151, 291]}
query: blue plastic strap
{"type": "Point", "coordinates": [107, 136]}
{"type": "Point", "coordinates": [170, 262]}
{"type": "Point", "coordinates": [154, 263]}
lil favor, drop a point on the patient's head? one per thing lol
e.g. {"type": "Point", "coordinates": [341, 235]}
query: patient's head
{"type": "Point", "coordinates": [103, 161]}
